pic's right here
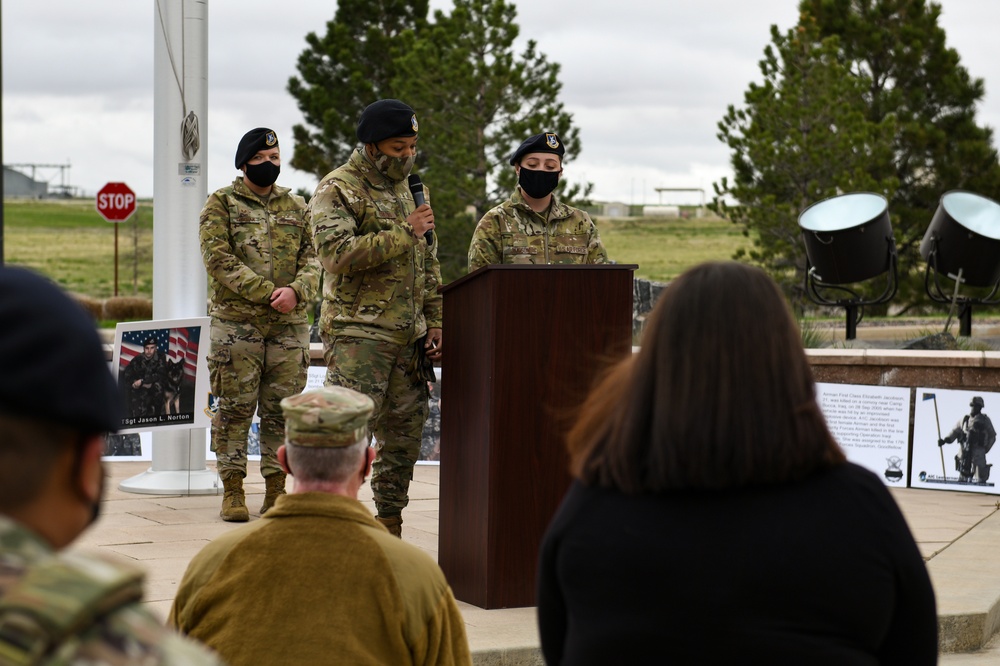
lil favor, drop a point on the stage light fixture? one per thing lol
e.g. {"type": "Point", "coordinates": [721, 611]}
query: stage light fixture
{"type": "Point", "coordinates": [848, 240]}
{"type": "Point", "coordinates": [962, 244]}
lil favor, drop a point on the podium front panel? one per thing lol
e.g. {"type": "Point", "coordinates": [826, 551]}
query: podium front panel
{"type": "Point", "coordinates": [522, 348]}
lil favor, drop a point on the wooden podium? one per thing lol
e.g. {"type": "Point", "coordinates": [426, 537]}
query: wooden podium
{"type": "Point", "coordinates": [522, 347]}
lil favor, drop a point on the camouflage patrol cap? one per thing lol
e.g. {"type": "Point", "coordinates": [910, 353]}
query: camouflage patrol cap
{"type": "Point", "coordinates": [260, 138]}
{"type": "Point", "coordinates": [385, 119]}
{"type": "Point", "coordinates": [546, 142]}
{"type": "Point", "coordinates": [977, 402]}
{"type": "Point", "coordinates": [54, 369]}
{"type": "Point", "coordinates": [332, 416]}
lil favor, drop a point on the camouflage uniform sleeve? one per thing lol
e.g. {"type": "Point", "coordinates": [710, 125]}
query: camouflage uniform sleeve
{"type": "Point", "coordinates": [485, 247]}
{"type": "Point", "coordinates": [220, 260]}
{"type": "Point", "coordinates": [307, 270]}
{"type": "Point", "coordinates": [337, 214]}
{"type": "Point", "coordinates": [596, 254]}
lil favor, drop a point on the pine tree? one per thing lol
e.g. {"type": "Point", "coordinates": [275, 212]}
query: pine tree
{"type": "Point", "coordinates": [803, 136]}
{"type": "Point", "coordinates": [476, 100]}
{"type": "Point", "coordinates": [897, 50]}
{"type": "Point", "coordinates": [342, 72]}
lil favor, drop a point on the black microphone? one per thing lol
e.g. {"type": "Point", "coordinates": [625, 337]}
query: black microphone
{"type": "Point", "coordinates": [417, 190]}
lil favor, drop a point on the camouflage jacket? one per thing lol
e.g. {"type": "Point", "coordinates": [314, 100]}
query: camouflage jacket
{"type": "Point", "coordinates": [75, 610]}
{"type": "Point", "coordinates": [380, 280]}
{"type": "Point", "coordinates": [251, 247]}
{"type": "Point", "coordinates": [512, 233]}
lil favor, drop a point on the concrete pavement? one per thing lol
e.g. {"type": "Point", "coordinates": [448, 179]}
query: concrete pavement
{"type": "Point", "coordinates": [958, 534]}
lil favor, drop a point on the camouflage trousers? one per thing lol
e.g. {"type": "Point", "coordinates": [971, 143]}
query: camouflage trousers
{"type": "Point", "coordinates": [386, 372]}
{"type": "Point", "coordinates": [253, 366]}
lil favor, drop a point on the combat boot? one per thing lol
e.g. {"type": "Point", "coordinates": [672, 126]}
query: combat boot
{"type": "Point", "coordinates": [392, 523]}
{"type": "Point", "coordinates": [274, 486]}
{"type": "Point", "coordinates": [234, 503]}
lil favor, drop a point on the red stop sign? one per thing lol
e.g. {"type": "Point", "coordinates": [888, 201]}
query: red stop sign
{"type": "Point", "coordinates": [115, 202]}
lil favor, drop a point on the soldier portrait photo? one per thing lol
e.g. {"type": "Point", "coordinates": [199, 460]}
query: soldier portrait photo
{"type": "Point", "coordinates": [158, 372]}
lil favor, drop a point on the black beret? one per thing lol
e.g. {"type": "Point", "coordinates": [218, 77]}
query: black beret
{"type": "Point", "coordinates": [149, 341]}
{"type": "Point", "coordinates": [385, 119]}
{"type": "Point", "coordinates": [54, 367]}
{"type": "Point", "coordinates": [253, 141]}
{"type": "Point", "coordinates": [546, 142]}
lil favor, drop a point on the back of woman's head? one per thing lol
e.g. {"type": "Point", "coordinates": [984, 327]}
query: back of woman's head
{"type": "Point", "coordinates": [720, 394]}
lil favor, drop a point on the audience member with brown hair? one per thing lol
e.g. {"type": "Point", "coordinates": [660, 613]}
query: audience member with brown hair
{"type": "Point", "coordinates": [713, 518]}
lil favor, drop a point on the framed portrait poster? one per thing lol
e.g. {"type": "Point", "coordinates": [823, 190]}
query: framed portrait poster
{"type": "Point", "coordinates": [162, 370]}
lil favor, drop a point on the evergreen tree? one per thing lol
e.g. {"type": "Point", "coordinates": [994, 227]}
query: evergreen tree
{"type": "Point", "coordinates": [342, 72]}
{"type": "Point", "coordinates": [897, 50]}
{"type": "Point", "coordinates": [802, 137]}
{"type": "Point", "coordinates": [476, 100]}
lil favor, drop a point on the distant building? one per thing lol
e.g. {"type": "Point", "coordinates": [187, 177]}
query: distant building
{"type": "Point", "coordinates": [661, 211]}
{"type": "Point", "coordinates": [17, 185]}
{"type": "Point", "coordinates": [613, 209]}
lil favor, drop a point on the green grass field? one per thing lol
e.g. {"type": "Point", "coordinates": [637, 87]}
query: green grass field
{"type": "Point", "coordinates": [68, 241]}
{"type": "Point", "coordinates": [665, 247]}
{"type": "Point", "coordinates": [72, 244]}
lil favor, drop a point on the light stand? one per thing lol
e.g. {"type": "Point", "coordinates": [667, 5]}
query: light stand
{"type": "Point", "coordinates": [854, 304]}
{"type": "Point", "coordinates": [962, 243]}
{"type": "Point", "coordinates": [848, 240]}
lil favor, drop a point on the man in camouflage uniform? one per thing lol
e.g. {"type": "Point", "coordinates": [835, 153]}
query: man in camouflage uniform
{"type": "Point", "coordinates": [976, 435]}
{"type": "Point", "coordinates": [262, 274]}
{"type": "Point", "coordinates": [143, 379]}
{"type": "Point", "coordinates": [381, 301]}
{"type": "Point", "coordinates": [532, 226]}
{"type": "Point", "coordinates": [57, 401]}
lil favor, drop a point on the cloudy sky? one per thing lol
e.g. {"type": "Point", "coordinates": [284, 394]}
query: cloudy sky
{"type": "Point", "coordinates": [646, 80]}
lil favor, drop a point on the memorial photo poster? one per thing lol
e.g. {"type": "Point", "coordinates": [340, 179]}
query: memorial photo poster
{"type": "Point", "coordinates": [162, 370]}
{"type": "Point", "coordinates": [965, 418]}
{"type": "Point", "coordinates": [871, 424]}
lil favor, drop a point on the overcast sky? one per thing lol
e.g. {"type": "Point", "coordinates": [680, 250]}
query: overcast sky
{"type": "Point", "coordinates": [646, 81]}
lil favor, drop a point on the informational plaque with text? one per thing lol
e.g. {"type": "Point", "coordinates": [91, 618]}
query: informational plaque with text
{"type": "Point", "coordinates": [871, 424]}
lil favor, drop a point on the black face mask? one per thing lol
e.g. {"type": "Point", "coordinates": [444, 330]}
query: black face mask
{"type": "Point", "coordinates": [537, 184]}
{"type": "Point", "coordinates": [263, 174]}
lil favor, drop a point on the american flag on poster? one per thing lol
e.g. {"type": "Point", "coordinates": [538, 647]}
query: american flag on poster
{"type": "Point", "coordinates": [184, 345]}
{"type": "Point", "coordinates": [133, 341]}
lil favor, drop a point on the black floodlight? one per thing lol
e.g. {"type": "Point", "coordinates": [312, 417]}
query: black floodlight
{"type": "Point", "coordinates": [848, 240]}
{"type": "Point", "coordinates": [962, 243]}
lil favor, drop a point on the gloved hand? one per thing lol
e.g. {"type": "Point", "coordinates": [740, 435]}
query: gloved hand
{"type": "Point", "coordinates": [940, 442]}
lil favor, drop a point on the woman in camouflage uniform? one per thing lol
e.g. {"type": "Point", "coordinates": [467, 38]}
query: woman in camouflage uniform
{"type": "Point", "coordinates": [532, 226]}
{"type": "Point", "coordinates": [262, 274]}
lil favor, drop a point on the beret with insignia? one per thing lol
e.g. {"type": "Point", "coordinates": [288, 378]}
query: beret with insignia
{"type": "Point", "coordinates": [385, 119]}
{"type": "Point", "coordinates": [260, 138]}
{"type": "Point", "coordinates": [546, 142]}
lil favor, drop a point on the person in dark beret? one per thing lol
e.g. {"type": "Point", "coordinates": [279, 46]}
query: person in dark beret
{"type": "Point", "coordinates": [262, 278]}
{"type": "Point", "coordinates": [381, 314]}
{"type": "Point", "coordinates": [532, 226]}
{"type": "Point", "coordinates": [58, 400]}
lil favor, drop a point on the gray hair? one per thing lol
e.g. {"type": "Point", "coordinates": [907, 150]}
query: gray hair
{"type": "Point", "coordinates": [314, 463]}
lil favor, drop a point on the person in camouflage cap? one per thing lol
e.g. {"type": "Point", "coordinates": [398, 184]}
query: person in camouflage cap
{"type": "Point", "coordinates": [388, 600]}
{"type": "Point", "coordinates": [57, 402]}
{"type": "Point", "coordinates": [532, 226]}
{"type": "Point", "coordinates": [381, 307]}
{"type": "Point", "coordinates": [262, 275]}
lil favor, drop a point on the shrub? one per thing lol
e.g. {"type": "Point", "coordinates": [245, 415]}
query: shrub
{"type": "Point", "coordinates": [127, 308]}
{"type": "Point", "coordinates": [94, 306]}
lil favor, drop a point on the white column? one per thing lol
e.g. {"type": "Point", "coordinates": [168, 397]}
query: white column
{"type": "Point", "coordinates": [180, 130]}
